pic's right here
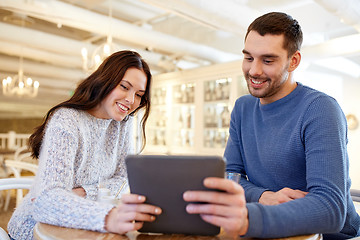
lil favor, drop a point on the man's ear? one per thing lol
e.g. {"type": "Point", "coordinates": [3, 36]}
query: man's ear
{"type": "Point", "coordinates": [294, 61]}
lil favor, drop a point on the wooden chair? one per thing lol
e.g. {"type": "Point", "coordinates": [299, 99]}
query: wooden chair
{"type": "Point", "coordinates": [16, 167]}
{"type": "Point", "coordinates": [23, 154]}
{"type": "Point", "coordinates": [13, 183]}
{"type": "Point", "coordinates": [3, 234]}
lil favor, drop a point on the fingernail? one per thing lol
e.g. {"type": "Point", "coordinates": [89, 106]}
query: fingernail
{"type": "Point", "coordinates": [187, 195]}
{"type": "Point", "coordinates": [189, 208]}
{"type": "Point", "coordinates": [208, 182]}
{"type": "Point", "coordinates": [141, 198]}
{"type": "Point", "coordinates": [157, 210]}
{"type": "Point", "coordinates": [152, 218]}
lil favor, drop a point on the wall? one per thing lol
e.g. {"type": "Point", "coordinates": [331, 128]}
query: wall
{"type": "Point", "coordinates": [351, 105]}
{"type": "Point", "coordinates": [19, 125]}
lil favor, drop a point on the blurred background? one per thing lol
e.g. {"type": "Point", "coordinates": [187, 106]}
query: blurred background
{"type": "Point", "coordinates": [194, 48]}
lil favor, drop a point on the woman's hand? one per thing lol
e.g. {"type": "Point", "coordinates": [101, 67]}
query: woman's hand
{"type": "Point", "coordinates": [130, 214]}
{"type": "Point", "coordinates": [281, 196]}
{"type": "Point", "coordinates": [225, 209]}
{"type": "Point", "coordinates": [79, 191]}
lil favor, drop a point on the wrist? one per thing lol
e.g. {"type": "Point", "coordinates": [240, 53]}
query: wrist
{"type": "Point", "coordinates": [107, 220]}
{"type": "Point", "coordinates": [245, 226]}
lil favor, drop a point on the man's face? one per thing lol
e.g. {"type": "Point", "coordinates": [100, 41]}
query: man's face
{"type": "Point", "coordinates": [266, 67]}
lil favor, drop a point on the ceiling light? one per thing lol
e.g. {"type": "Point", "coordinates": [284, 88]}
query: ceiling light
{"type": "Point", "coordinates": [20, 85]}
{"type": "Point", "coordinates": [101, 52]}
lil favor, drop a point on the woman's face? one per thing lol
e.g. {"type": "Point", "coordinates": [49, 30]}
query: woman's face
{"type": "Point", "coordinates": [124, 98]}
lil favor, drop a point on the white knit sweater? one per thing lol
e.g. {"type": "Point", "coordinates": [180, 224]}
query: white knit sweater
{"type": "Point", "coordinates": [76, 150]}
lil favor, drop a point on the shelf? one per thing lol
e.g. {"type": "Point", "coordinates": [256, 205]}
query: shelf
{"type": "Point", "coordinates": [196, 117]}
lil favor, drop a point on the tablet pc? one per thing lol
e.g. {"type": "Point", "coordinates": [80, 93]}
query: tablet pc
{"type": "Point", "coordinates": [163, 180]}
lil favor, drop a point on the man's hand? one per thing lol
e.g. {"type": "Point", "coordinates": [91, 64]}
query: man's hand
{"type": "Point", "coordinates": [281, 196]}
{"type": "Point", "coordinates": [224, 209]}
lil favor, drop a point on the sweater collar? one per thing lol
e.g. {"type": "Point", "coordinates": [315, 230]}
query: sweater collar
{"type": "Point", "coordinates": [283, 100]}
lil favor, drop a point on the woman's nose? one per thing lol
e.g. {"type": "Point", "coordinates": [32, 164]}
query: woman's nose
{"type": "Point", "coordinates": [130, 97]}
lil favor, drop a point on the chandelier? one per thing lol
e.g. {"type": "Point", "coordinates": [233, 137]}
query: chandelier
{"type": "Point", "coordinates": [20, 85]}
{"type": "Point", "coordinates": [101, 52]}
{"type": "Point", "coordinates": [98, 56]}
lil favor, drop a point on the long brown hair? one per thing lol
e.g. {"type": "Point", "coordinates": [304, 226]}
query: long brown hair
{"type": "Point", "coordinates": [91, 91]}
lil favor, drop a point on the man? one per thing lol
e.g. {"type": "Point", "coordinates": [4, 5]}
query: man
{"type": "Point", "coordinates": [289, 143]}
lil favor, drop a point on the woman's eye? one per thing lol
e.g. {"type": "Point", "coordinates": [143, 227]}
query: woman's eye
{"type": "Point", "coordinates": [123, 86]}
{"type": "Point", "coordinates": [139, 95]}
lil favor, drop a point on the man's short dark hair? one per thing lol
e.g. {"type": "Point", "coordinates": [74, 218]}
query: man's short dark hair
{"type": "Point", "coordinates": [278, 23]}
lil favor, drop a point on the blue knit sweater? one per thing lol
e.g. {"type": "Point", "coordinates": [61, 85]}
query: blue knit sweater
{"type": "Point", "coordinates": [298, 142]}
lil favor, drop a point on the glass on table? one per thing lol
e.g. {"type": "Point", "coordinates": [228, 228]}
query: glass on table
{"type": "Point", "coordinates": [102, 189]}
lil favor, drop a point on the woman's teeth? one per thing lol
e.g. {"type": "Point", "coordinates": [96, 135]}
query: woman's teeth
{"type": "Point", "coordinates": [122, 107]}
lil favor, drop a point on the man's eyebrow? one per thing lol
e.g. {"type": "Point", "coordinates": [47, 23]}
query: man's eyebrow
{"type": "Point", "coordinates": [131, 84]}
{"type": "Point", "coordinates": [264, 55]}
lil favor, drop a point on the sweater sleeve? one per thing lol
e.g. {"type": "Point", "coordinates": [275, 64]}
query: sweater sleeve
{"type": "Point", "coordinates": [234, 159]}
{"type": "Point", "coordinates": [323, 210]}
{"type": "Point", "coordinates": [56, 204]}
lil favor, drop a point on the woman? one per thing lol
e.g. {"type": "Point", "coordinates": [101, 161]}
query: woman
{"type": "Point", "coordinates": [82, 140]}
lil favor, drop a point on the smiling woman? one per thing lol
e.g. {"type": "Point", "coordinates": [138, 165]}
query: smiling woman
{"type": "Point", "coordinates": [82, 140]}
{"type": "Point", "coordinates": [124, 98]}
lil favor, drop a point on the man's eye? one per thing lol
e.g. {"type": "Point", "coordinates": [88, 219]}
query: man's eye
{"type": "Point", "coordinates": [268, 61]}
{"type": "Point", "coordinates": [249, 59]}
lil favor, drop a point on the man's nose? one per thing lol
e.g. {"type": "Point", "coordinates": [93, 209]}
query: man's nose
{"type": "Point", "coordinates": [256, 68]}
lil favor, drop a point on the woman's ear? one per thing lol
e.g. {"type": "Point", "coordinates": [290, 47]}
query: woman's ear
{"type": "Point", "coordinates": [294, 61]}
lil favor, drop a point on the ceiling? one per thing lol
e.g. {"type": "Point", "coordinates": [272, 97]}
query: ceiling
{"type": "Point", "coordinates": [172, 35]}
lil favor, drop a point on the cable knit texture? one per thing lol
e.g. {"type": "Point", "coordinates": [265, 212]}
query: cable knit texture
{"type": "Point", "coordinates": [76, 150]}
{"type": "Point", "coordinates": [298, 142]}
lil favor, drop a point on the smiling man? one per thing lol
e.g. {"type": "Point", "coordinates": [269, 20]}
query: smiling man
{"type": "Point", "coordinates": [288, 141]}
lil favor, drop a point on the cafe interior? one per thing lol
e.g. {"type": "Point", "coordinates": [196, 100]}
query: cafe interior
{"type": "Point", "coordinates": [194, 49]}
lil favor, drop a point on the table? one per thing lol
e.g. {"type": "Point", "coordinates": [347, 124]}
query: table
{"type": "Point", "coordinates": [44, 231]}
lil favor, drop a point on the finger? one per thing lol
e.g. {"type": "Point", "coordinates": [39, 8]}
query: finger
{"type": "Point", "coordinates": [142, 208]}
{"type": "Point", "coordinates": [136, 216]}
{"type": "Point", "coordinates": [282, 199]}
{"type": "Point", "coordinates": [214, 197]}
{"type": "Point", "coordinates": [213, 209]}
{"type": "Point", "coordinates": [123, 228]}
{"type": "Point", "coordinates": [295, 194]}
{"type": "Point", "coordinates": [223, 184]}
{"type": "Point", "coordinates": [132, 198]}
{"type": "Point", "coordinates": [302, 192]}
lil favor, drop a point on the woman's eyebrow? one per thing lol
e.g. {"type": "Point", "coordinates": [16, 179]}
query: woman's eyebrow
{"type": "Point", "coordinates": [126, 82]}
{"type": "Point", "coordinates": [131, 84]}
